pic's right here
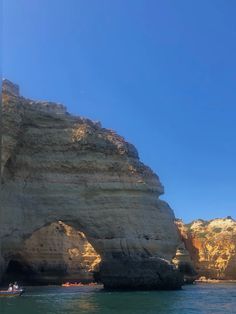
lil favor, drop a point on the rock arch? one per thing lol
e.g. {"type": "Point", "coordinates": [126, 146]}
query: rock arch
{"type": "Point", "coordinates": [53, 254]}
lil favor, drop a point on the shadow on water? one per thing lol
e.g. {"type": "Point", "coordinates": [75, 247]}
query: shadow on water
{"type": "Point", "coordinates": [201, 299]}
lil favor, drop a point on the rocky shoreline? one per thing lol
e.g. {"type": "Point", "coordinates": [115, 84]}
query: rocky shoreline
{"type": "Point", "coordinates": [205, 280]}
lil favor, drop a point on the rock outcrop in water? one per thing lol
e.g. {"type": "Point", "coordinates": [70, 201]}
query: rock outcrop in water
{"type": "Point", "coordinates": [212, 247]}
{"type": "Point", "coordinates": [59, 167]}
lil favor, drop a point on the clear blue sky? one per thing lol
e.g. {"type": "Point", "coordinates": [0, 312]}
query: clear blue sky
{"type": "Point", "coordinates": [161, 73]}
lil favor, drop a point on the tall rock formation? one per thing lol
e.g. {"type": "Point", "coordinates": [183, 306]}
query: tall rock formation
{"type": "Point", "coordinates": [59, 167]}
{"type": "Point", "coordinates": [212, 246]}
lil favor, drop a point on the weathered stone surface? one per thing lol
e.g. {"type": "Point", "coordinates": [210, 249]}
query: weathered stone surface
{"type": "Point", "coordinates": [60, 167]}
{"type": "Point", "coordinates": [212, 247]}
{"type": "Point", "coordinates": [54, 254]}
{"type": "Point", "coordinates": [184, 263]}
{"type": "Point", "coordinates": [144, 273]}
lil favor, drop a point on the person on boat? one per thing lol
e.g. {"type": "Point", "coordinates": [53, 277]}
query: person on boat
{"type": "Point", "coordinates": [15, 286]}
{"type": "Point", "coordinates": [10, 288]}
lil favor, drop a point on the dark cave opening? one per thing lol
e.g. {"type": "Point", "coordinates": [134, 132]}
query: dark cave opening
{"type": "Point", "coordinates": [187, 269]}
{"type": "Point", "coordinates": [18, 271]}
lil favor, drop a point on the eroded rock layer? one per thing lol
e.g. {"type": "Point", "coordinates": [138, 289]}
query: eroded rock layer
{"type": "Point", "coordinates": [212, 247]}
{"type": "Point", "coordinates": [59, 167]}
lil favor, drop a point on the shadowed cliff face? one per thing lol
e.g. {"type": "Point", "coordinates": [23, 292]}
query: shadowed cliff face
{"type": "Point", "coordinates": [60, 167]}
{"type": "Point", "coordinates": [184, 263]}
{"type": "Point", "coordinates": [212, 247]}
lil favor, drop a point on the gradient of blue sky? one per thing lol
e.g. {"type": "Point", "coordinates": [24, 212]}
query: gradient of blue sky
{"type": "Point", "coordinates": [162, 73]}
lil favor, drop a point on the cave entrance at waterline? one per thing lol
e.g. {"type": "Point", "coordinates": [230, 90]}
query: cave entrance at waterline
{"type": "Point", "coordinates": [18, 270]}
{"type": "Point", "coordinates": [54, 254]}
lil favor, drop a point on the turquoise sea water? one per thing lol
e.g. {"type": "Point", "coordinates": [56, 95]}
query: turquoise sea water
{"type": "Point", "coordinates": [194, 299]}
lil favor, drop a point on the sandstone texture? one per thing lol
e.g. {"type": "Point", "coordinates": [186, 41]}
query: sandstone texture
{"type": "Point", "coordinates": [54, 254]}
{"type": "Point", "coordinates": [62, 169]}
{"type": "Point", "coordinates": [212, 247]}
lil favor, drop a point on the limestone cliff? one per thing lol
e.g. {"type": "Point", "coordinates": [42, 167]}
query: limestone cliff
{"type": "Point", "coordinates": [212, 246]}
{"type": "Point", "coordinates": [59, 167]}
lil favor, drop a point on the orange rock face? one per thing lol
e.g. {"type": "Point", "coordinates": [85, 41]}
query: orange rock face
{"type": "Point", "coordinates": [212, 246]}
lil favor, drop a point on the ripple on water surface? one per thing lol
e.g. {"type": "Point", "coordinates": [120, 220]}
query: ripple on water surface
{"type": "Point", "coordinates": [195, 299]}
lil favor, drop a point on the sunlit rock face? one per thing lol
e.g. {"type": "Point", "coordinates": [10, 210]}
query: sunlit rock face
{"type": "Point", "coordinates": [212, 246]}
{"type": "Point", "coordinates": [59, 167]}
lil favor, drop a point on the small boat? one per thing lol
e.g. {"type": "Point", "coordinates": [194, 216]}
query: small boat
{"type": "Point", "coordinates": [15, 293]}
{"type": "Point", "coordinates": [69, 284]}
{"type": "Point", "coordinates": [78, 284]}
